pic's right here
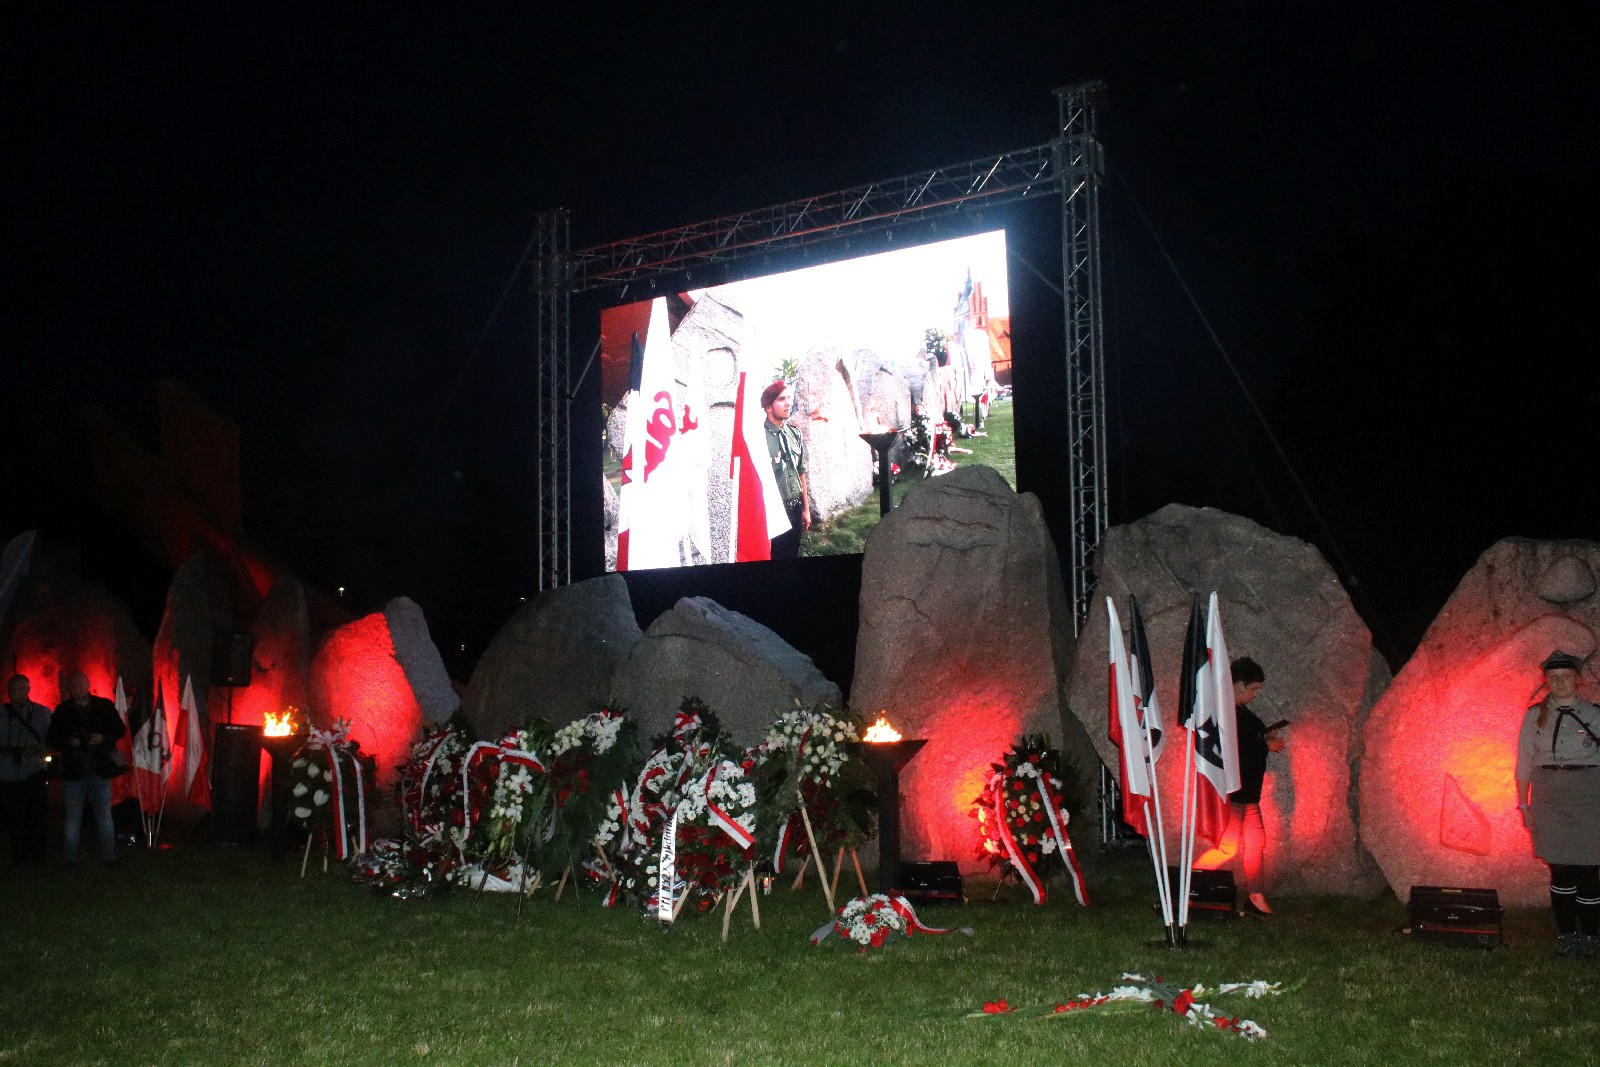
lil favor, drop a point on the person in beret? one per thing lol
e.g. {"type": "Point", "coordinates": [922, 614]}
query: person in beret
{"type": "Point", "coordinates": [788, 454]}
{"type": "Point", "coordinates": [1558, 792]}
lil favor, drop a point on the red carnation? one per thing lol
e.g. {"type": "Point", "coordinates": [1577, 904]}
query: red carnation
{"type": "Point", "coordinates": [1183, 1002]}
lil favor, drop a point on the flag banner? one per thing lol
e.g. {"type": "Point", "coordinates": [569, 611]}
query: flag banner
{"type": "Point", "coordinates": [122, 786]}
{"type": "Point", "coordinates": [1127, 734]}
{"type": "Point", "coordinates": [191, 763]}
{"type": "Point", "coordinates": [1206, 709]}
{"type": "Point", "coordinates": [152, 756]}
{"type": "Point", "coordinates": [757, 514]}
{"type": "Point", "coordinates": [661, 522]}
{"type": "Point", "coordinates": [1143, 671]}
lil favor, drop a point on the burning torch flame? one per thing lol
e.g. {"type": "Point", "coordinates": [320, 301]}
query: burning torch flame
{"type": "Point", "coordinates": [276, 725]}
{"type": "Point", "coordinates": [881, 732]}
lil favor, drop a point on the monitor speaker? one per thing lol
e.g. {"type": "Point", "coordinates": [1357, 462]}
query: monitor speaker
{"type": "Point", "coordinates": [932, 882]}
{"type": "Point", "coordinates": [1453, 916]}
{"type": "Point", "coordinates": [1212, 894]}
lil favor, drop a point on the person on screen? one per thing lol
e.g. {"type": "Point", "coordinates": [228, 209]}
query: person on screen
{"type": "Point", "coordinates": [788, 454]}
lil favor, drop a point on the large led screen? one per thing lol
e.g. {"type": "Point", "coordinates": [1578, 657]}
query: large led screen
{"type": "Point", "coordinates": [735, 414]}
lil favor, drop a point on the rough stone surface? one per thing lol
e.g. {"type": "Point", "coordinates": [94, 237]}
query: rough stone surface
{"type": "Point", "coordinates": [281, 660]}
{"type": "Point", "coordinates": [745, 673]}
{"type": "Point", "coordinates": [198, 605]}
{"type": "Point", "coordinates": [1283, 606]}
{"type": "Point", "coordinates": [1438, 792]}
{"type": "Point", "coordinates": [555, 657]}
{"type": "Point", "coordinates": [827, 414]}
{"type": "Point", "coordinates": [965, 640]}
{"type": "Point", "coordinates": [356, 676]}
{"type": "Point", "coordinates": [885, 396]}
{"type": "Point", "coordinates": [419, 658]}
{"type": "Point", "coordinates": [65, 624]}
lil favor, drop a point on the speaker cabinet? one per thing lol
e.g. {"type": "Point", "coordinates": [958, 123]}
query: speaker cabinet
{"type": "Point", "coordinates": [235, 778]}
{"type": "Point", "coordinates": [232, 659]}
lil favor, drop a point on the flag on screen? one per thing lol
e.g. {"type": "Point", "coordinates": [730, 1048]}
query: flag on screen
{"type": "Point", "coordinates": [653, 514]}
{"type": "Point", "coordinates": [191, 764]}
{"type": "Point", "coordinates": [1126, 733]}
{"type": "Point", "coordinates": [1205, 707]}
{"type": "Point", "coordinates": [122, 785]}
{"type": "Point", "coordinates": [152, 756]}
{"type": "Point", "coordinates": [757, 515]}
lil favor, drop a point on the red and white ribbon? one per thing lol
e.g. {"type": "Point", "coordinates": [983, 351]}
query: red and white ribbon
{"type": "Point", "coordinates": [997, 787]}
{"type": "Point", "coordinates": [486, 749]}
{"type": "Point", "coordinates": [336, 742]}
{"type": "Point", "coordinates": [740, 836]}
{"type": "Point", "coordinates": [1058, 817]}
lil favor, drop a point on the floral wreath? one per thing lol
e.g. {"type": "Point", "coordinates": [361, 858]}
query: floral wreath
{"type": "Point", "coordinates": [693, 777]}
{"type": "Point", "coordinates": [810, 757]}
{"type": "Point", "coordinates": [330, 782]}
{"type": "Point", "coordinates": [1022, 819]}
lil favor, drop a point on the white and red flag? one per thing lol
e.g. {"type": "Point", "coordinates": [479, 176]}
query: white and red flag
{"type": "Point", "coordinates": [1127, 732]}
{"type": "Point", "coordinates": [122, 785]}
{"type": "Point", "coordinates": [757, 515]}
{"type": "Point", "coordinates": [191, 763]}
{"type": "Point", "coordinates": [655, 508]}
{"type": "Point", "coordinates": [1205, 707]}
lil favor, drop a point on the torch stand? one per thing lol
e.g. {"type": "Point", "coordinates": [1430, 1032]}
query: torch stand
{"type": "Point", "coordinates": [888, 759]}
{"type": "Point", "coordinates": [282, 750]}
{"type": "Point", "coordinates": [881, 443]}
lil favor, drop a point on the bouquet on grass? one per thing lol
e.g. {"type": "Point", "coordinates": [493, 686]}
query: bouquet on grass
{"type": "Point", "coordinates": [431, 793]}
{"type": "Point", "coordinates": [330, 783]}
{"type": "Point", "coordinates": [1022, 819]}
{"type": "Point", "coordinates": [560, 810]}
{"type": "Point", "coordinates": [697, 783]}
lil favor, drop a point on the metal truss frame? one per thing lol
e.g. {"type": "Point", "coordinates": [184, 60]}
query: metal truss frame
{"type": "Point", "coordinates": [1071, 167]}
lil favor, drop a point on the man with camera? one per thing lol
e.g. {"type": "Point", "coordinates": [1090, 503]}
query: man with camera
{"type": "Point", "coordinates": [24, 726]}
{"type": "Point", "coordinates": [85, 730]}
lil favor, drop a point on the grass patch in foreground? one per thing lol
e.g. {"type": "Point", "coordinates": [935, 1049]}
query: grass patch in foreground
{"type": "Point", "coordinates": [210, 956]}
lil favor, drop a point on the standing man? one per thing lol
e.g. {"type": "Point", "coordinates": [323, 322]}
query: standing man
{"type": "Point", "coordinates": [24, 727]}
{"type": "Point", "coordinates": [788, 455]}
{"type": "Point", "coordinates": [1246, 832]}
{"type": "Point", "coordinates": [1558, 791]}
{"type": "Point", "coordinates": [85, 729]}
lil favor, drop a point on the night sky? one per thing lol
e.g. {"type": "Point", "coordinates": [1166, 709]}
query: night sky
{"type": "Point", "coordinates": [1384, 211]}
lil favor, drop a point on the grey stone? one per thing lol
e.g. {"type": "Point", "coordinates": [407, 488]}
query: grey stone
{"type": "Point", "coordinates": [198, 605]}
{"type": "Point", "coordinates": [965, 640]}
{"type": "Point", "coordinates": [281, 659]}
{"type": "Point", "coordinates": [1438, 792]}
{"type": "Point", "coordinates": [419, 658]}
{"type": "Point", "coordinates": [554, 658]}
{"type": "Point", "coordinates": [1283, 606]}
{"type": "Point", "coordinates": [885, 395]}
{"type": "Point", "coordinates": [745, 673]}
{"type": "Point", "coordinates": [827, 415]}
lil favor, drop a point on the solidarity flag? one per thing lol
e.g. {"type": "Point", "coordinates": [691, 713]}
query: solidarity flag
{"type": "Point", "coordinates": [191, 764]}
{"type": "Point", "coordinates": [1144, 684]}
{"type": "Point", "coordinates": [1205, 706]}
{"type": "Point", "coordinates": [757, 515]}
{"type": "Point", "coordinates": [152, 756]}
{"type": "Point", "coordinates": [656, 508]}
{"type": "Point", "coordinates": [1127, 733]}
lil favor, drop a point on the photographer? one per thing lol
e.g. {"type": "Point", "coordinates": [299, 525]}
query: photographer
{"type": "Point", "coordinates": [85, 730]}
{"type": "Point", "coordinates": [23, 729]}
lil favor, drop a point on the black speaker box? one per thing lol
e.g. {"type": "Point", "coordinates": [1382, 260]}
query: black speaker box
{"type": "Point", "coordinates": [1452, 916]}
{"type": "Point", "coordinates": [1212, 894]}
{"type": "Point", "coordinates": [235, 770]}
{"type": "Point", "coordinates": [232, 658]}
{"type": "Point", "coordinates": [932, 882]}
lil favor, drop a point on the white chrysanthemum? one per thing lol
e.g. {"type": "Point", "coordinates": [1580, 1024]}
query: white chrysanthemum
{"type": "Point", "coordinates": [320, 797]}
{"type": "Point", "coordinates": [302, 813]}
{"type": "Point", "coordinates": [301, 789]}
{"type": "Point", "coordinates": [313, 771]}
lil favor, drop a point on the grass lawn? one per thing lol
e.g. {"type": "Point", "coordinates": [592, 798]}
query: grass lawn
{"type": "Point", "coordinates": [847, 532]}
{"type": "Point", "coordinates": [201, 955]}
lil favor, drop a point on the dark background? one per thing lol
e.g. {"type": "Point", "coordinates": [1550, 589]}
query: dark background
{"type": "Point", "coordinates": [1385, 213]}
